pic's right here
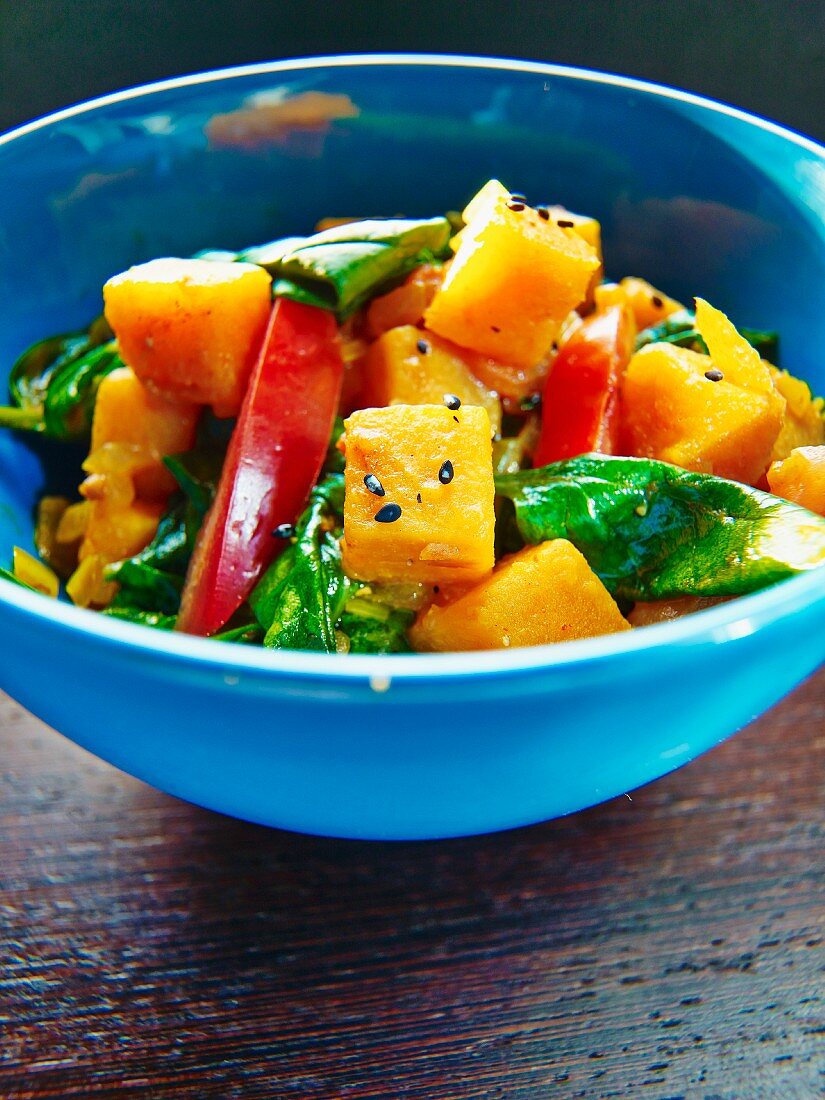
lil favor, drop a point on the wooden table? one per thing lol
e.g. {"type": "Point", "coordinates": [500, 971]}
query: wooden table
{"type": "Point", "coordinates": [665, 946]}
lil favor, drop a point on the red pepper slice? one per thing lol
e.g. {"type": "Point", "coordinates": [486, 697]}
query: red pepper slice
{"type": "Point", "coordinates": [580, 405]}
{"type": "Point", "coordinates": [274, 458]}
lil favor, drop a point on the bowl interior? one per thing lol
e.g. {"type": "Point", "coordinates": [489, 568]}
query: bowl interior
{"type": "Point", "coordinates": [695, 199]}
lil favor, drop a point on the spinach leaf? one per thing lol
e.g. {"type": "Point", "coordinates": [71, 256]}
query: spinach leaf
{"type": "Point", "coordinates": [340, 268]}
{"type": "Point", "coordinates": [248, 634]}
{"type": "Point", "coordinates": [653, 531]}
{"type": "Point", "coordinates": [680, 329]}
{"type": "Point", "coordinates": [69, 403]}
{"type": "Point", "coordinates": [144, 618]}
{"type": "Point", "coordinates": [54, 382]}
{"type": "Point", "coordinates": [299, 599]}
{"type": "Point", "coordinates": [372, 627]}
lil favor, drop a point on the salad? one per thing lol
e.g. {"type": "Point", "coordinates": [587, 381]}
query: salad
{"type": "Point", "coordinates": [432, 435]}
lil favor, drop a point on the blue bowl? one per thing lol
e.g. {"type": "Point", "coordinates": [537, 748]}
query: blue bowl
{"type": "Point", "coordinates": [695, 196]}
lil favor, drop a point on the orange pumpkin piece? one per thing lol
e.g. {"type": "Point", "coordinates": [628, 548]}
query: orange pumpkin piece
{"type": "Point", "coordinates": [130, 419]}
{"type": "Point", "coordinates": [116, 531]}
{"type": "Point", "coordinates": [419, 494]}
{"type": "Point", "coordinates": [406, 304]}
{"type": "Point", "coordinates": [543, 594]}
{"type": "Point", "coordinates": [648, 305]}
{"type": "Point", "coordinates": [190, 329]}
{"type": "Point", "coordinates": [677, 409]}
{"type": "Point", "coordinates": [406, 366]}
{"type": "Point", "coordinates": [800, 478]}
{"type": "Point", "coordinates": [513, 280]}
{"type": "Point", "coordinates": [802, 425]}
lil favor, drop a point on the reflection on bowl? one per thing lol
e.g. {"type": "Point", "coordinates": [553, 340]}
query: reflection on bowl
{"type": "Point", "coordinates": [695, 196]}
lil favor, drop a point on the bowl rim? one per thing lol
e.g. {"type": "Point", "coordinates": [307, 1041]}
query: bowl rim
{"type": "Point", "coordinates": [737, 619]}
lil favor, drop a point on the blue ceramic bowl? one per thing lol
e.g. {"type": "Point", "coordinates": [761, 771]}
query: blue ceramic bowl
{"type": "Point", "coordinates": [695, 196]}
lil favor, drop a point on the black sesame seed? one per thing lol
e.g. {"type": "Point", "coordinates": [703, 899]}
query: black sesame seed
{"type": "Point", "coordinates": [516, 207]}
{"type": "Point", "coordinates": [446, 473]}
{"type": "Point", "coordinates": [714, 375]}
{"type": "Point", "coordinates": [388, 514]}
{"type": "Point", "coordinates": [565, 223]}
{"type": "Point", "coordinates": [543, 213]}
{"type": "Point", "coordinates": [423, 347]}
{"type": "Point", "coordinates": [418, 497]}
{"type": "Point", "coordinates": [517, 196]}
{"type": "Point", "coordinates": [657, 301]}
{"type": "Point", "coordinates": [455, 418]}
{"type": "Point", "coordinates": [436, 588]}
{"type": "Point", "coordinates": [495, 328]}
{"type": "Point", "coordinates": [374, 485]}
{"type": "Point", "coordinates": [283, 531]}
{"type": "Point", "coordinates": [452, 401]}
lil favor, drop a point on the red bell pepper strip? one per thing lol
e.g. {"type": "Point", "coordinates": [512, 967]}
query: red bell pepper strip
{"type": "Point", "coordinates": [273, 460]}
{"type": "Point", "coordinates": [580, 404]}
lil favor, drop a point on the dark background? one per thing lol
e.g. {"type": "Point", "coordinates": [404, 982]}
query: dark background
{"type": "Point", "coordinates": [767, 56]}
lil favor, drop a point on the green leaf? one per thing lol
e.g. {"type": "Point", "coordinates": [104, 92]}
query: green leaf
{"type": "Point", "coordinates": [680, 329]}
{"type": "Point", "coordinates": [144, 618]}
{"type": "Point", "coordinates": [653, 531]}
{"type": "Point", "coordinates": [248, 634]}
{"type": "Point", "coordinates": [341, 268]}
{"type": "Point", "coordinates": [198, 470]}
{"type": "Point", "coordinates": [70, 397]}
{"type": "Point", "coordinates": [53, 383]}
{"type": "Point", "coordinates": [299, 599]}
{"type": "Point", "coordinates": [372, 627]}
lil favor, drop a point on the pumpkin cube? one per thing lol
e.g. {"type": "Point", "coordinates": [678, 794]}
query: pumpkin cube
{"type": "Point", "coordinates": [406, 304]}
{"type": "Point", "coordinates": [190, 329]}
{"type": "Point", "coordinates": [802, 425]}
{"type": "Point", "coordinates": [513, 280]}
{"type": "Point", "coordinates": [543, 594]}
{"type": "Point", "coordinates": [130, 416]}
{"type": "Point", "coordinates": [801, 478]}
{"type": "Point", "coordinates": [406, 366]}
{"type": "Point", "coordinates": [419, 494]}
{"type": "Point", "coordinates": [116, 531]}
{"type": "Point", "coordinates": [673, 410]}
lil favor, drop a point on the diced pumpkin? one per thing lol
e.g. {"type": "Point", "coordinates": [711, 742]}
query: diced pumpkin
{"type": "Point", "coordinates": [543, 594]}
{"type": "Point", "coordinates": [513, 280]}
{"type": "Point", "coordinates": [133, 428]}
{"type": "Point", "coordinates": [800, 478]}
{"type": "Point", "coordinates": [73, 523]}
{"type": "Point", "coordinates": [406, 304]}
{"type": "Point", "coordinates": [677, 409]}
{"type": "Point", "coordinates": [435, 465]}
{"type": "Point", "coordinates": [35, 573]}
{"type": "Point", "coordinates": [116, 532]}
{"type": "Point", "coordinates": [802, 425]}
{"type": "Point", "coordinates": [665, 611]}
{"type": "Point", "coordinates": [87, 586]}
{"type": "Point", "coordinates": [586, 227]}
{"type": "Point", "coordinates": [406, 366]}
{"type": "Point", "coordinates": [649, 305]}
{"type": "Point", "coordinates": [190, 329]}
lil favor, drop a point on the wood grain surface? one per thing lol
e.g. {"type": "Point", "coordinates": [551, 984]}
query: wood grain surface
{"type": "Point", "coordinates": [669, 946]}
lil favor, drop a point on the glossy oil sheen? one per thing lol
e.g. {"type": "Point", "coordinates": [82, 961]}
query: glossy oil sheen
{"type": "Point", "coordinates": [695, 197]}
